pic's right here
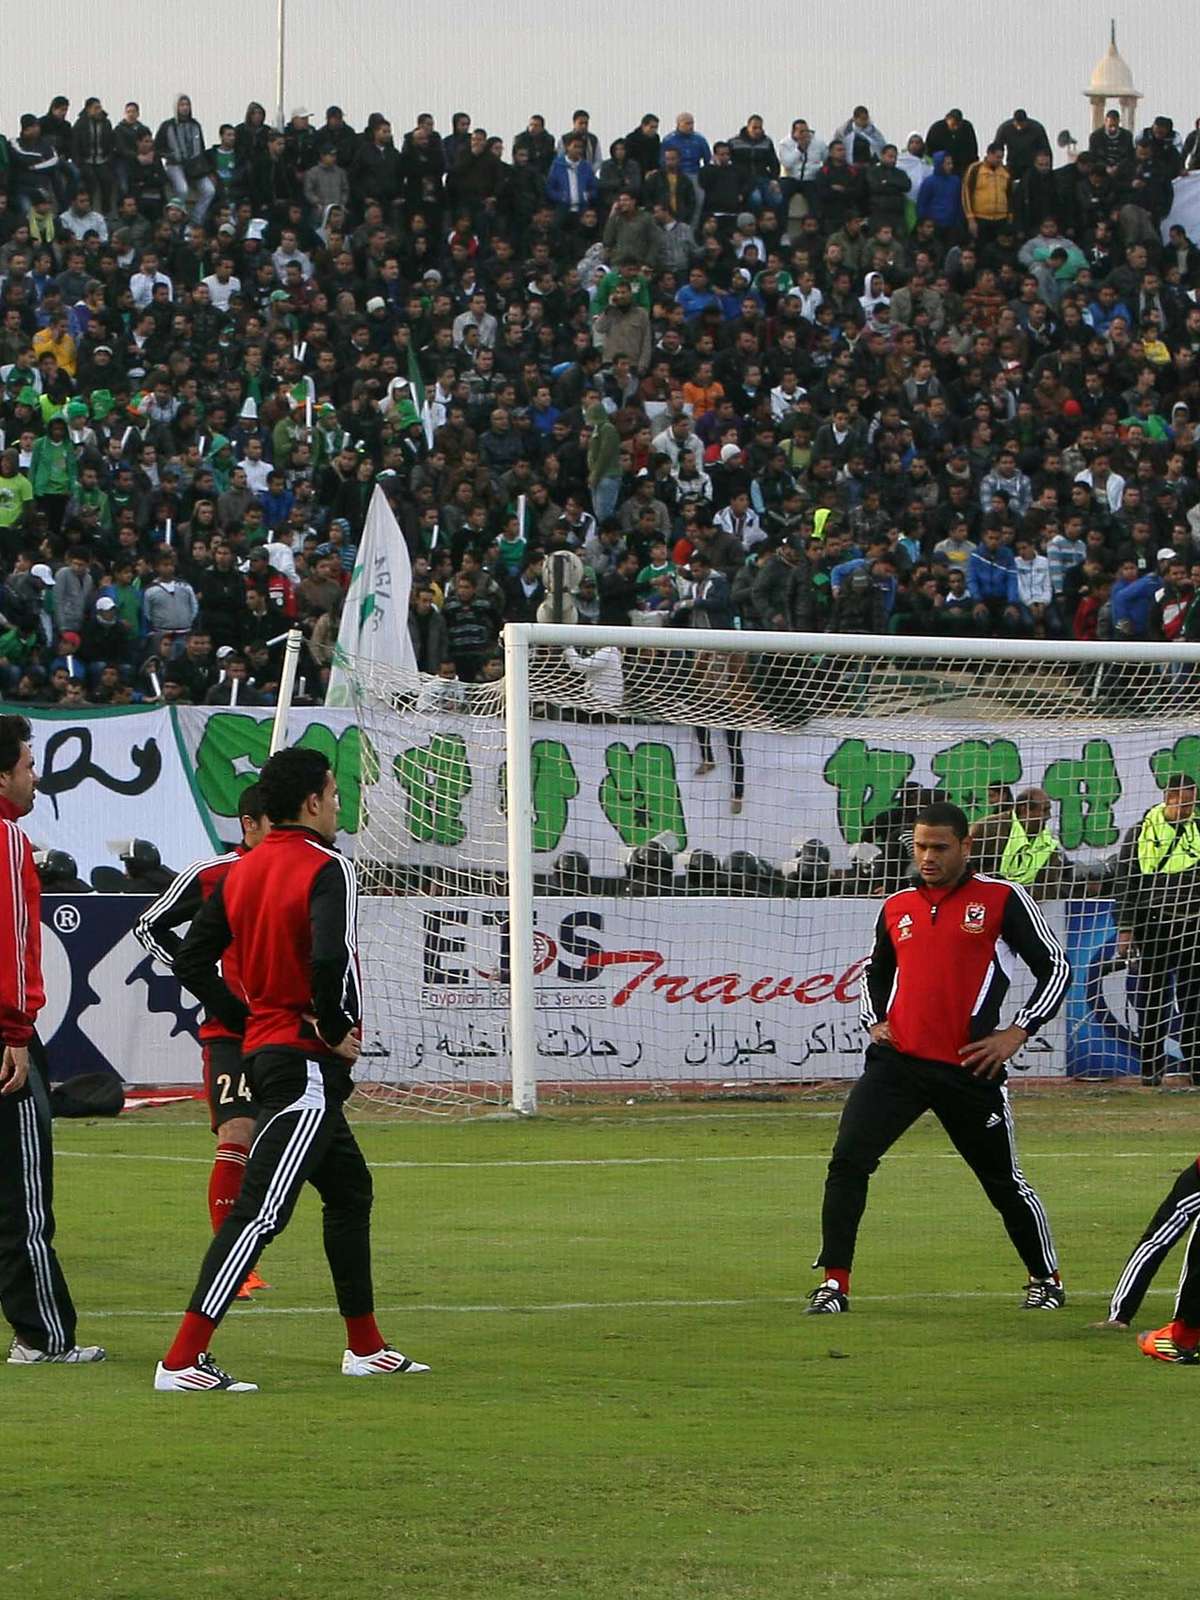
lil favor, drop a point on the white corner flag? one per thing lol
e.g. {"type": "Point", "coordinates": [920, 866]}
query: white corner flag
{"type": "Point", "coordinates": [374, 624]}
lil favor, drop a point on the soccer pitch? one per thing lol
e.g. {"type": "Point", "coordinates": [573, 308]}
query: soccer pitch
{"type": "Point", "coordinates": [626, 1399]}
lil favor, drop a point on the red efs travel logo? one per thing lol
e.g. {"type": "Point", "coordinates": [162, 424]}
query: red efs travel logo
{"type": "Point", "coordinates": [728, 988]}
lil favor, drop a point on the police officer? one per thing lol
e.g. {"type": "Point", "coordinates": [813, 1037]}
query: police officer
{"type": "Point", "coordinates": [1157, 909]}
{"type": "Point", "coordinates": [1016, 843]}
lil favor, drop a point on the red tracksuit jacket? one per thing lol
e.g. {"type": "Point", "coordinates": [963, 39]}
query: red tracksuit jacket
{"type": "Point", "coordinates": [941, 965]}
{"type": "Point", "coordinates": [181, 904]}
{"type": "Point", "coordinates": [22, 992]}
{"type": "Point", "coordinates": [290, 906]}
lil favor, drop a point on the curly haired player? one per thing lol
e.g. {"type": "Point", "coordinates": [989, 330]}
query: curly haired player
{"type": "Point", "coordinates": [290, 907]}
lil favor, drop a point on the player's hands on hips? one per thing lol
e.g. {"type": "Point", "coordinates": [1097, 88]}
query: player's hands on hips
{"type": "Point", "coordinates": [880, 1032]}
{"type": "Point", "coordinates": [14, 1068]}
{"type": "Point", "coordinates": [986, 1056]}
{"type": "Point", "coordinates": [350, 1048]}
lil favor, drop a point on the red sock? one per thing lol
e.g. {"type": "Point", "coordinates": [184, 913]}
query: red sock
{"type": "Point", "coordinates": [225, 1180]}
{"type": "Point", "coordinates": [838, 1275]}
{"type": "Point", "coordinates": [1186, 1337]}
{"type": "Point", "coordinates": [194, 1334]}
{"type": "Point", "coordinates": [363, 1335]}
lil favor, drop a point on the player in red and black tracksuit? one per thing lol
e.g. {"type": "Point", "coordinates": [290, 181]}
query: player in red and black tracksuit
{"type": "Point", "coordinates": [226, 1086]}
{"type": "Point", "coordinates": [33, 1291]}
{"type": "Point", "coordinates": [931, 999]}
{"type": "Point", "coordinates": [1179, 1214]}
{"type": "Point", "coordinates": [290, 909]}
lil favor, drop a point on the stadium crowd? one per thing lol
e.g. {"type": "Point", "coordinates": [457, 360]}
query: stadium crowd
{"type": "Point", "coordinates": [802, 382]}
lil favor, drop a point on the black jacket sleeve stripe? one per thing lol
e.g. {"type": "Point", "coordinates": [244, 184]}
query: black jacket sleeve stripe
{"type": "Point", "coordinates": [178, 904]}
{"type": "Point", "coordinates": [1027, 932]}
{"type": "Point", "coordinates": [333, 915]}
{"type": "Point", "coordinates": [877, 981]}
{"type": "Point", "coordinates": [197, 964]}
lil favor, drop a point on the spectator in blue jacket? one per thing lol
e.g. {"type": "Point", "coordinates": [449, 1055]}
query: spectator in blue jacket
{"type": "Point", "coordinates": [692, 146]}
{"type": "Point", "coordinates": [696, 295]}
{"type": "Point", "coordinates": [572, 182]}
{"type": "Point", "coordinates": [1132, 598]}
{"type": "Point", "coordinates": [992, 584]}
{"type": "Point", "coordinates": [1105, 309]}
{"type": "Point", "coordinates": [939, 199]}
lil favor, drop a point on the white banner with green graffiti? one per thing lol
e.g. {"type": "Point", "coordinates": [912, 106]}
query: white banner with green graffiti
{"type": "Point", "coordinates": [604, 788]}
{"type": "Point", "coordinates": [173, 776]}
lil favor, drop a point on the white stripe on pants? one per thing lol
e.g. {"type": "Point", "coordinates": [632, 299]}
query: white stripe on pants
{"type": "Point", "coordinates": [310, 1108]}
{"type": "Point", "coordinates": [35, 1219]}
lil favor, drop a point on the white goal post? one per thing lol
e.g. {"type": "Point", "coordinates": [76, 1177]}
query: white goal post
{"type": "Point", "coordinates": [707, 924]}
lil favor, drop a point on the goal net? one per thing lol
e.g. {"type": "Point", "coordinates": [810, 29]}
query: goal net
{"type": "Point", "coordinates": [651, 860]}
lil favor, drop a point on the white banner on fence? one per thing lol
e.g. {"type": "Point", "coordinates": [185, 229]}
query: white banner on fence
{"type": "Point", "coordinates": [637, 989]}
{"type": "Point", "coordinates": [173, 776]}
{"type": "Point", "coordinates": [105, 777]}
{"type": "Point", "coordinates": [602, 788]}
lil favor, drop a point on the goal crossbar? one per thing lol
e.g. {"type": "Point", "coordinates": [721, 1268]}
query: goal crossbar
{"type": "Point", "coordinates": [892, 646]}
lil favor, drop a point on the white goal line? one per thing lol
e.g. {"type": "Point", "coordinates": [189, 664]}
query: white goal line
{"type": "Point", "coordinates": [652, 1161]}
{"type": "Point", "coordinates": [559, 1307]}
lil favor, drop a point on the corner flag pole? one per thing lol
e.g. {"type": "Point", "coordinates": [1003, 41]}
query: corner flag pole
{"type": "Point", "coordinates": [287, 686]}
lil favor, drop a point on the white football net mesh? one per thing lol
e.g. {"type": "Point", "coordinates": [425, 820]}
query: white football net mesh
{"type": "Point", "coordinates": [711, 839]}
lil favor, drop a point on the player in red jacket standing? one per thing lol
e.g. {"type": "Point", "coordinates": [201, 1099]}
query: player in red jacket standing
{"type": "Point", "coordinates": [33, 1292]}
{"type": "Point", "coordinates": [230, 1101]}
{"type": "Point", "coordinates": [931, 999]}
{"type": "Point", "coordinates": [290, 908]}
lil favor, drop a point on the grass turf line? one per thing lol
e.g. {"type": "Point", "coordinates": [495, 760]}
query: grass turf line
{"type": "Point", "coordinates": [917, 1447]}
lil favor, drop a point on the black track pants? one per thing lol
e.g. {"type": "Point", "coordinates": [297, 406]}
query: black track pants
{"type": "Point", "coordinates": [33, 1292]}
{"type": "Point", "coordinates": [1177, 1215]}
{"type": "Point", "coordinates": [892, 1093]}
{"type": "Point", "coordinates": [302, 1137]}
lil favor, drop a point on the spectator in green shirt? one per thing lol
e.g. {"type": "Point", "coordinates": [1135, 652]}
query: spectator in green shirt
{"type": "Point", "coordinates": [16, 492]}
{"type": "Point", "coordinates": [659, 566]}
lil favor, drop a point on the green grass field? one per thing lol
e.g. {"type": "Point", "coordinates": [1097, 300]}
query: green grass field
{"type": "Point", "coordinates": [626, 1399]}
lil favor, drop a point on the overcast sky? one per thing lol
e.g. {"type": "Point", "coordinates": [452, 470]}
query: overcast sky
{"type": "Point", "coordinates": [785, 58]}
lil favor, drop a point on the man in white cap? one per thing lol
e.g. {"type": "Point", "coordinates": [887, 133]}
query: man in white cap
{"type": "Point", "coordinates": [300, 140]}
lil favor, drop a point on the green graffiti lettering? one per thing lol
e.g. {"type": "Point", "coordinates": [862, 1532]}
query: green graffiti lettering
{"type": "Point", "coordinates": [640, 793]}
{"type": "Point", "coordinates": [435, 780]}
{"type": "Point", "coordinates": [555, 785]}
{"type": "Point", "coordinates": [234, 746]}
{"type": "Point", "coordinates": [867, 779]}
{"type": "Point", "coordinates": [1182, 757]}
{"type": "Point", "coordinates": [231, 744]}
{"type": "Point", "coordinates": [967, 770]}
{"type": "Point", "coordinates": [1086, 790]}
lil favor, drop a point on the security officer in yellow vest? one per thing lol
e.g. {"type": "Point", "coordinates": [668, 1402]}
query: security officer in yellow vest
{"type": "Point", "coordinates": [1016, 843]}
{"type": "Point", "coordinates": [1157, 909]}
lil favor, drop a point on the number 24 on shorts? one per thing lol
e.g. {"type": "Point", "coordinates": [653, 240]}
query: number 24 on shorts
{"type": "Point", "coordinates": [228, 1093]}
